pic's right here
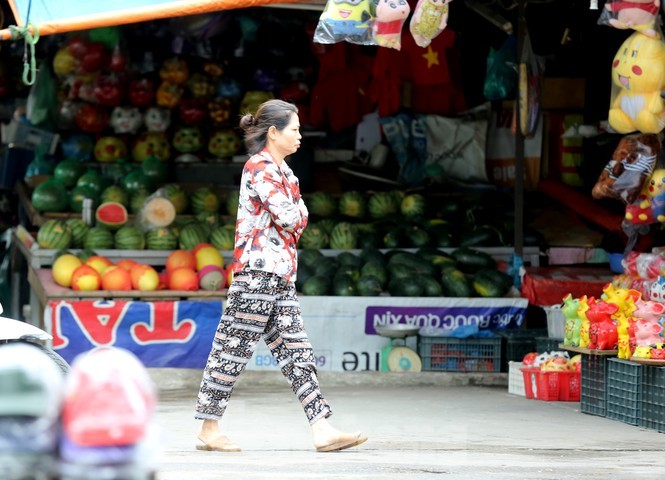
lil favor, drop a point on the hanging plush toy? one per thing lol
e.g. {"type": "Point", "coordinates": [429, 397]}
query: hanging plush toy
{"type": "Point", "coordinates": [638, 75]}
{"type": "Point", "coordinates": [640, 15]}
{"type": "Point", "coordinates": [429, 19]}
{"type": "Point", "coordinates": [388, 23]}
{"type": "Point", "coordinates": [346, 20]}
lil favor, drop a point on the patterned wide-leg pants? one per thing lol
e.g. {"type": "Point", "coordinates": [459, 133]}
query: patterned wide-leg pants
{"type": "Point", "coordinates": [260, 304]}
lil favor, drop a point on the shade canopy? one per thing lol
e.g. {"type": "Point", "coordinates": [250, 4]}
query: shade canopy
{"type": "Point", "coordinates": [72, 15]}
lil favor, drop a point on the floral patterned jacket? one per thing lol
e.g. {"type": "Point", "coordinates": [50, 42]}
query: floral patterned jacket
{"type": "Point", "coordinates": [271, 218]}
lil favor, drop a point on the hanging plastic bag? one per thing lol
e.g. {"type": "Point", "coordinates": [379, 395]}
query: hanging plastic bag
{"type": "Point", "coordinates": [346, 20]}
{"type": "Point", "coordinates": [42, 102]}
{"type": "Point", "coordinates": [501, 77]}
{"type": "Point", "coordinates": [638, 76]}
{"type": "Point", "coordinates": [429, 19]}
{"type": "Point", "coordinates": [530, 79]}
{"type": "Point", "coordinates": [639, 15]}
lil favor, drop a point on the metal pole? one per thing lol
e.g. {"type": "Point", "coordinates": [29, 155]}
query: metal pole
{"type": "Point", "coordinates": [519, 140]}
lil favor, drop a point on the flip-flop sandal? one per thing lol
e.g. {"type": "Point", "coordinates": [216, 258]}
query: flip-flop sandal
{"type": "Point", "coordinates": [219, 444]}
{"type": "Point", "coordinates": [343, 444]}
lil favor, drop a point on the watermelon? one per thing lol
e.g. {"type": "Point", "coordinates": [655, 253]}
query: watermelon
{"type": "Point", "coordinates": [208, 219]}
{"type": "Point", "coordinates": [314, 237]}
{"type": "Point", "coordinates": [191, 235]}
{"type": "Point", "coordinates": [112, 215]}
{"type": "Point", "coordinates": [382, 205]}
{"type": "Point", "coordinates": [326, 224]}
{"type": "Point", "coordinates": [78, 194]}
{"type": "Point", "coordinates": [316, 285]}
{"type": "Point", "coordinates": [454, 283]}
{"type": "Point", "coordinates": [95, 180]}
{"type": "Point", "coordinates": [413, 205]}
{"type": "Point", "coordinates": [86, 253]}
{"type": "Point", "coordinates": [137, 180]}
{"type": "Point", "coordinates": [352, 204]}
{"type": "Point", "coordinates": [232, 200]}
{"type": "Point", "coordinates": [79, 229]}
{"type": "Point", "coordinates": [322, 204]}
{"type": "Point", "coordinates": [343, 237]}
{"type": "Point", "coordinates": [117, 171]}
{"type": "Point", "coordinates": [155, 170]}
{"type": "Point", "coordinates": [98, 238]}
{"type": "Point", "coordinates": [136, 200]}
{"type": "Point", "coordinates": [54, 235]}
{"type": "Point", "coordinates": [161, 239]}
{"type": "Point", "coordinates": [129, 238]}
{"type": "Point", "coordinates": [205, 200]}
{"type": "Point", "coordinates": [115, 193]}
{"type": "Point", "coordinates": [310, 257]}
{"type": "Point", "coordinates": [177, 196]}
{"type": "Point", "coordinates": [50, 196]}
{"type": "Point", "coordinates": [489, 282]}
{"type": "Point", "coordinates": [376, 270]}
{"type": "Point", "coordinates": [223, 238]}
{"type": "Point", "coordinates": [369, 286]}
{"type": "Point", "coordinates": [68, 171]}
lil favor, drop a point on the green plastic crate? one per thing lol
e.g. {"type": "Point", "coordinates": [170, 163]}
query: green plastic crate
{"type": "Point", "coordinates": [515, 343]}
{"type": "Point", "coordinates": [652, 408]}
{"type": "Point", "coordinates": [624, 384]}
{"type": "Point", "coordinates": [594, 384]}
{"type": "Point", "coordinates": [447, 354]}
{"type": "Point", "coordinates": [547, 344]}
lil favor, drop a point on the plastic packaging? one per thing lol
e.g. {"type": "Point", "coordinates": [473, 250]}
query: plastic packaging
{"type": "Point", "coordinates": [346, 20]}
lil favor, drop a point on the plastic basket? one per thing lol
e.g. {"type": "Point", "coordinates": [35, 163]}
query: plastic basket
{"type": "Point", "coordinates": [547, 344]}
{"type": "Point", "coordinates": [516, 379]}
{"type": "Point", "coordinates": [551, 386]}
{"type": "Point", "coordinates": [594, 384]}
{"type": "Point", "coordinates": [448, 354]}
{"type": "Point", "coordinates": [652, 405]}
{"type": "Point", "coordinates": [624, 382]}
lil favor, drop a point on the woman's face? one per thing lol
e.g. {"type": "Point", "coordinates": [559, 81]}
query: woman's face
{"type": "Point", "coordinates": [287, 141]}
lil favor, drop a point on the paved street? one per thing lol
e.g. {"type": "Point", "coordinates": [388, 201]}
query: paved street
{"type": "Point", "coordinates": [420, 426]}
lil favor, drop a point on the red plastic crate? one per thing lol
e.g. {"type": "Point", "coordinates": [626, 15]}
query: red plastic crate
{"type": "Point", "coordinates": [552, 386]}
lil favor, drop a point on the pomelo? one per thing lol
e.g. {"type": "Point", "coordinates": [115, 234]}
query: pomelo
{"type": "Point", "coordinates": [64, 267]}
{"type": "Point", "coordinates": [144, 277]}
{"type": "Point", "coordinates": [208, 256]}
{"type": "Point", "coordinates": [99, 263]}
{"type": "Point", "coordinates": [183, 278]}
{"type": "Point", "coordinates": [116, 278]}
{"type": "Point", "coordinates": [85, 278]}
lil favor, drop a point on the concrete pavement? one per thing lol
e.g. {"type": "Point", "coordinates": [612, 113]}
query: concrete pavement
{"type": "Point", "coordinates": [420, 426]}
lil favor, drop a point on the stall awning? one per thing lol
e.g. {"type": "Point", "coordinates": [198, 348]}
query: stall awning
{"type": "Point", "coordinates": [51, 17]}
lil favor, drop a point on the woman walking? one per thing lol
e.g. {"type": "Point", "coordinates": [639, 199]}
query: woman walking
{"type": "Point", "coordinates": [262, 298]}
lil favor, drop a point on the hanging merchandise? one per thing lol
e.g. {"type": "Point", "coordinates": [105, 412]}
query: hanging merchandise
{"type": "Point", "coordinates": [429, 19]}
{"type": "Point", "coordinates": [530, 79]}
{"type": "Point", "coordinates": [388, 23]}
{"type": "Point", "coordinates": [406, 136]}
{"type": "Point", "coordinates": [42, 102]}
{"type": "Point", "coordinates": [639, 15]}
{"type": "Point", "coordinates": [501, 76]}
{"type": "Point", "coordinates": [631, 164]}
{"type": "Point", "coordinates": [638, 78]}
{"type": "Point", "coordinates": [346, 20]}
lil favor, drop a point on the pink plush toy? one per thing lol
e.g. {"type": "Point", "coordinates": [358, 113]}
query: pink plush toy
{"type": "Point", "coordinates": [388, 23]}
{"type": "Point", "coordinates": [602, 329]}
{"type": "Point", "coordinates": [429, 19]}
{"type": "Point", "coordinates": [638, 15]}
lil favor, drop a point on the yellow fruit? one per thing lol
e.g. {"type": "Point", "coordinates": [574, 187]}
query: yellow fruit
{"type": "Point", "coordinates": [64, 267]}
{"type": "Point", "coordinates": [99, 263]}
{"type": "Point", "coordinates": [208, 256]}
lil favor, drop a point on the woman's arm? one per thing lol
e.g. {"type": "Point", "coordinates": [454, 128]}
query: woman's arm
{"type": "Point", "coordinates": [271, 186]}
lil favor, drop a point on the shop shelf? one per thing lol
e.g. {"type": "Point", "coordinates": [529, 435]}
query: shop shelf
{"type": "Point", "coordinates": [624, 382]}
{"type": "Point", "coordinates": [594, 384]}
{"type": "Point", "coordinates": [449, 354]}
{"type": "Point", "coordinates": [652, 408]}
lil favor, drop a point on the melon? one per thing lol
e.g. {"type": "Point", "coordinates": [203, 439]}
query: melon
{"type": "Point", "coordinates": [86, 278]}
{"type": "Point", "coordinates": [98, 237]}
{"type": "Point", "coordinates": [161, 239]}
{"type": "Point", "coordinates": [158, 212]}
{"type": "Point", "coordinates": [79, 229]}
{"type": "Point", "coordinates": [224, 237]}
{"type": "Point", "coordinates": [137, 199]}
{"type": "Point", "coordinates": [322, 204]}
{"type": "Point", "coordinates": [50, 196]}
{"type": "Point", "coordinates": [54, 235]}
{"type": "Point", "coordinates": [137, 180]}
{"type": "Point", "coordinates": [115, 193]}
{"type": "Point", "coordinates": [208, 255]}
{"type": "Point", "coordinates": [68, 171]}
{"type": "Point", "coordinates": [78, 194]}
{"type": "Point", "coordinates": [191, 235]}
{"type": "Point", "coordinates": [177, 196]}
{"type": "Point", "coordinates": [129, 238]}
{"type": "Point", "coordinates": [352, 204]}
{"type": "Point", "coordinates": [205, 200]}
{"type": "Point", "coordinates": [95, 180]}
{"type": "Point", "coordinates": [232, 201]}
{"type": "Point", "coordinates": [112, 215]}
{"type": "Point", "coordinates": [155, 170]}
{"type": "Point", "coordinates": [413, 205]}
{"type": "Point", "coordinates": [383, 205]}
{"type": "Point", "coordinates": [85, 254]}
